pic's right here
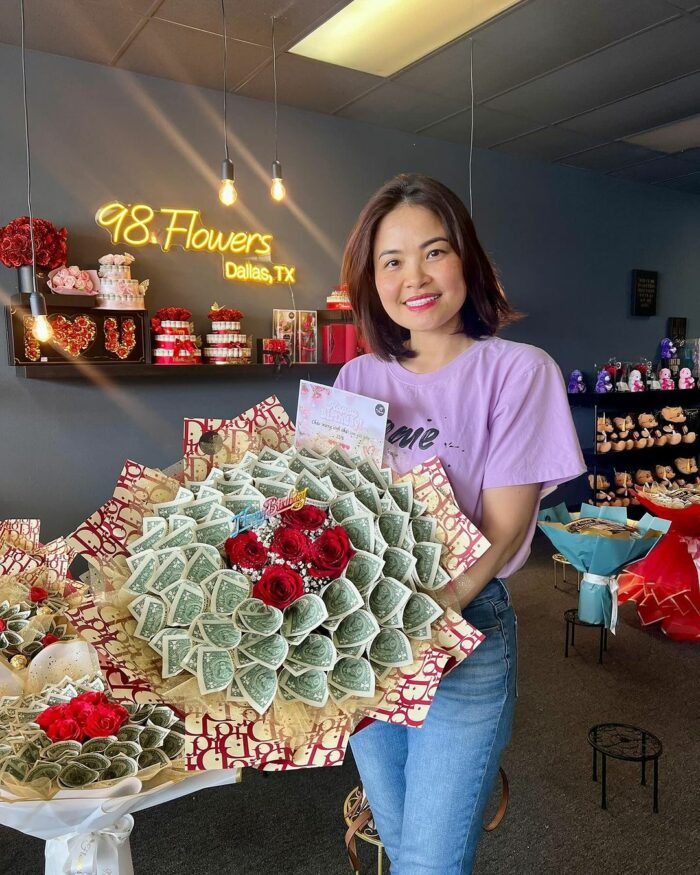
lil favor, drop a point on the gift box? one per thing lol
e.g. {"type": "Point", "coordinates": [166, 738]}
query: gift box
{"type": "Point", "coordinates": [273, 351]}
{"type": "Point", "coordinates": [306, 337]}
{"type": "Point", "coordinates": [284, 324]}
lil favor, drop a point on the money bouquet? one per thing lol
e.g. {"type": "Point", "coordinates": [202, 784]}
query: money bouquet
{"type": "Point", "coordinates": [75, 764]}
{"type": "Point", "coordinates": [283, 595]}
{"type": "Point", "coordinates": [598, 542]}
{"type": "Point", "coordinates": [35, 596]}
{"type": "Point", "coordinates": [666, 584]}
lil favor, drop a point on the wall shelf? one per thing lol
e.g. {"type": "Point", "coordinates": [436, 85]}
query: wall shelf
{"type": "Point", "coordinates": [654, 399]}
{"type": "Point", "coordinates": [85, 371]}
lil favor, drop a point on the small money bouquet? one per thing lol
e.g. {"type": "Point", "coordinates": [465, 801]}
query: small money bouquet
{"type": "Point", "coordinates": [666, 584]}
{"type": "Point", "coordinates": [35, 596]}
{"type": "Point", "coordinates": [75, 765]}
{"type": "Point", "coordinates": [73, 735]}
{"type": "Point", "coordinates": [598, 542]}
{"type": "Point", "coordinates": [280, 596]}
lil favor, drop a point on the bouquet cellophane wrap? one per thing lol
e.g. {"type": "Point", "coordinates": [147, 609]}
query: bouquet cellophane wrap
{"type": "Point", "coordinates": [599, 557]}
{"type": "Point", "coordinates": [666, 584]}
{"type": "Point", "coordinates": [224, 735]}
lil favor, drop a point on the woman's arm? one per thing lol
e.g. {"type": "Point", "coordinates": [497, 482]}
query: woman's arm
{"type": "Point", "coordinates": [506, 518]}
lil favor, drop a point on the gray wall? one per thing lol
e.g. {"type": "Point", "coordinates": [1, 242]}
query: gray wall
{"type": "Point", "coordinates": [564, 240]}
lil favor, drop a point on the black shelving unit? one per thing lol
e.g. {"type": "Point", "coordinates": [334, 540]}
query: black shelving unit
{"type": "Point", "coordinates": [612, 404]}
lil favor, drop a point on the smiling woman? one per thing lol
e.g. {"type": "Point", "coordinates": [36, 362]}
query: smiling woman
{"type": "Point", "coordinates": [417, 225]}
{"type": "Point", "coordinates": [495, 412]}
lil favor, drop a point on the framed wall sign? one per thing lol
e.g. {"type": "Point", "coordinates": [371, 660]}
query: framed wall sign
{"type": "Point", "coordinates": [645, 284]}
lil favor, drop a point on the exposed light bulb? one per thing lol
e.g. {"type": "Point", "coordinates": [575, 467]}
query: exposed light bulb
{"type": "Point", "coordinates": [227, 189]}
{"type": "Point", "coordinates": [227, 192]}
{"type": "Point", "coordinates": [41, 329]}
{"type": "Point", "coordinates": [277, 189]}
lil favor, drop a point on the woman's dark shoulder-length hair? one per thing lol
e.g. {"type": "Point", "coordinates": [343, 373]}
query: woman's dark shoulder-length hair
{"type": "Point", "coordinates": [486, 308]}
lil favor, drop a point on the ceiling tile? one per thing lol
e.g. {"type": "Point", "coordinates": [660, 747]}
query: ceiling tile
{"type": "Point", "coordinates": [655, 56]}
{"type": "Point", "coordinates": [688, 5]}
{"type": "Point", "coordinates": [85, 29]}
{"type": "Point", "coordinates": [684, 183]}
{"type": "Point", "coordinates": [611, 156]}
{"type": "Point", "coordinates": [657, 106]}
{"type": "Point", "coordinates": [489, 127]}
{"type": "Point", "coordinates": [192, 56]}
{"type": "Point", "coordinates": [658, 170]}
{"type": "Point", "coordinates": [530, 40]}
{"type": "Point", "coordinates": [683, 134]}
{"type": "Point", "coordinates": [393, 106]}
{"type": "Point", "coordinates": [547, 144]}
{"type": "Point", "coordinates": [249, 20]}
{"type": "Point", "coordinates": [309, 84]}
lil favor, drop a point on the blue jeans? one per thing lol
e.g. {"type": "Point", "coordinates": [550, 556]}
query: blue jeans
{"type": "Point", "coordinates": [428, 787]}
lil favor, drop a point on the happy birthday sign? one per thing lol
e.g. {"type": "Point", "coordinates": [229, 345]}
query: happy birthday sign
{"type": "Point", "coordinates": [142, 225]}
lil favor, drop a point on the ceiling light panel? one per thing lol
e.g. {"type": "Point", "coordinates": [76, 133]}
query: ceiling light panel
{"type": "Point", "coordinates": [384, 36]}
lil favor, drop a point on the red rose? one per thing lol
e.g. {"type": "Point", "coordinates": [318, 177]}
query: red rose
{"type": "Point", "coordinates": [38, 594]}
{"type": "Point", "coordinates": [49, 639]}
{"type": "Point", "coordinates": [246, 550]}
{"type": "Point", "coordinates": [330, 553]}
{"type": "Point", "coordinates": [93, 698]}
{"type": "Point", "coordinates": [105, 720]}
{"type": "Point", "coordinates": [279, 586]}
{"type": "Point", "coordinates": [290, 544]}
{"type": "Point", "coordinates": [65, 729]}
{"type": "Point", "coordinates": [55, 712]}
{"type": "Point", "coordinates": [308, 518]}
{"type": "Point", "coordinates": [82, 706]}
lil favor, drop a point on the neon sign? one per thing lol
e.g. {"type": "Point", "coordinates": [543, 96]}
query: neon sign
{"type": "Point", "coordinates": [141, 225]}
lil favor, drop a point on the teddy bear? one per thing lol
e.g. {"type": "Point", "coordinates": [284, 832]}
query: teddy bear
{"type": "Point", "coordinates": [623, 487]}
{"type": "Point", "coordinates": [686, 380]}
{"type": "Point", "coordinates": [600, 485]}
{"type": "Point", "coordinates": [648, 426]}
{"type": "Point", "coordinates": [667, 382]}
{"type": "Point", "coordinates": [635, 381]}
{"type": "Point", "coordinates": [604, 429]}
{"type": "Point", "coordinates": [621, 437]}
{"type": "Point", "coordinates": [665, 475]}
{"type": "Point", "coordinates": [677, 417]}
{"type": "Point", "coordinates": [670, 418]}
{"type": "Point", "coordinates": [643, 477]}
{"type": "Point", "coordinates": [688, 469]}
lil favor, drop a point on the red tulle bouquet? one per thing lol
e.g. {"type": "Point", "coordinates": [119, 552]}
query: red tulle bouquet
{"type": "Point", "coordinates": [49, 243]}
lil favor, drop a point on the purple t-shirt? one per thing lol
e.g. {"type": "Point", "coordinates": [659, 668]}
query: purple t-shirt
{"type": "Point", "coordinates": [496, 415]}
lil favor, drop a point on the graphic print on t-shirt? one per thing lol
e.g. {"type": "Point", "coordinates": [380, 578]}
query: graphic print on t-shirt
{"type": "Point", "coordinates": [399, 437]}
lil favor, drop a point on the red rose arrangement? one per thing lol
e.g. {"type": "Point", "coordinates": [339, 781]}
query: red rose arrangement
{"type": "Point", "coordinates": [90, 715]}
{"type": "Point", "coordinates": [123, 347]}
{"type": "Point", "coordinates": [225, 314]}
{"type": "Point", "coordinates": [297, 552]}
{"type": "Point", "coordinates": [169, 314]}
{"type": "Point", "coordinates": [49, 243]}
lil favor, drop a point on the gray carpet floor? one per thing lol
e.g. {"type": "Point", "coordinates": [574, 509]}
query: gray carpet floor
{"type": "Point", "coordinates": [292, 823]}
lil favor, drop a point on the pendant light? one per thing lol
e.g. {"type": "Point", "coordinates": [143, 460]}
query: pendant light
{"type": "Point", "coordinates": [277, 189]}
{"type": "Point", "coordinates": [41, 327]}
{"type": "Point", "coordinates": [227, 187]}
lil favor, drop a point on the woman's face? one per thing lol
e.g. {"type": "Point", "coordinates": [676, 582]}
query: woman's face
{"type": "Point", "coordinates": [418, 274]}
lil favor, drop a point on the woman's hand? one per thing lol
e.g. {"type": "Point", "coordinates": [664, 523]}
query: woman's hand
{"type": "Point", "coordinates": [506, 518]}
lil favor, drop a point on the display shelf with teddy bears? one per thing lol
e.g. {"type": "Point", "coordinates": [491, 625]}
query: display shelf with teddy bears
{"type": "Point", "coordinates": [639, 449]}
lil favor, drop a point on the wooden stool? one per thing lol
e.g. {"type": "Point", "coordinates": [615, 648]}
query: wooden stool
{"type": "Point", "coordinates": [360, 824]}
